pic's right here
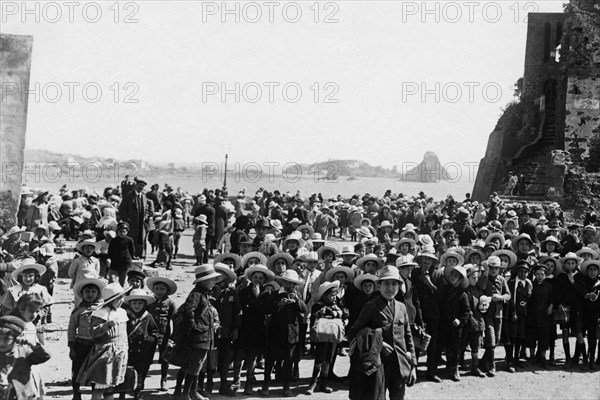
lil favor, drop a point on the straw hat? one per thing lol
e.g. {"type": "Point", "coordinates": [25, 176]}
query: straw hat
{"type": "Point", "coordinates": [273, 284]}
{"type": "Point", "coordinates": [317, 238]}
{"type": "Point", "coordinates": [549, 239]}
{"type": "Point", "coordinates": [402, 241]}
{"type": "Point", "coordinates": [237, 260]}
{"type": "Point", "coordinates": [290, 275]}
{"type": "Point", "coordinates": [87, 242]}
{"type": "Point", "coordinates": [509, 253]}
{"type": "Point", "coordinates": [295, 221]}
{"type": "Point", "coordinates": [470, 252]}
{"type": "Point", "coordinates": [426, 254]}
{"type": "Point", "coordinates": [275, 223]}
{"type": "Point", "coordinates": [385, 224]}
{"type": "Point", "coordinates": [522, 236]}
{"type": "Point", "coordinates": [297, 236]}
{"type": "Point", "coordinates": [325, 287]}
{"type": "Point", "coordinates": [571, 256]}
{"type": "Point", "coordinates": [171, 286]}
{"type": "Point", "coordinates": [363, 220]}
{"type": "Point", "coordinates": [358, 281]}
{"type": "Point", "coordinates": [557, 264]}
{"type": "Point", "coordinates": [322, 249]}
{"type": "Point", "coordinates": [586, 264]}
{"type": "Point", "coordinates": [277, 256]}
{"type": "Point", "coordinates": [402, 264]}
{"type": "Point", "coordinates": [112, 292]}
{"type": "Point", "coordinates": [42, 227]}
{"type": "Point", "coordinates": [364, 232]}
{"type": "Point", "coordinates": [205, 272]}
{"type": "Point", "coordinates": [587, 250]}
{"type": "Point", "coordinates": [347, 250]}
{"type": "Point", "coordinates": [346, 270]}
{"type": "Point", "coordinates": [14, 230]}
{"type": "Point", "coordinates": [408, 231]}
{"type": "Point", "coordinates": [496, 235]}
{"type": "Point", "coordinates": [449, 254]}
{"type": "Point", "coordinates": [311, 256]}
{"type": "Point", "coordinates": [390, 273]}
{"type": "Point", "coordinates": [269, 275]}
{"type": "Point", "coordinates": [309, 228]}
{"type": "Point", "coordinates": [493, 261]}
{"type": "Point", "coordinates": [225, 270]}
{"type": "Point", "coordinates": [471, 269]}
{"type": "Point", "coordinates": [53, 226]}
{"type": "Point", "coordinates": [139, 294]}
{"type": "Point", "coordinates": [99, 283]}
{"type": "Point", "coordinates": [262, 259]}
{"type": "Point", "coordinates": [28, 264]}
{"type": "Point", "coordinates": [369, 257]}
{"type": "Point", "coordinates": [201, 219]}
{"type": "Point", "coordinates": [461, 270]}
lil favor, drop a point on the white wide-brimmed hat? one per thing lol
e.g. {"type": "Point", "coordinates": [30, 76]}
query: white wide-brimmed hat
{"type": "Point", "coordinates": [205, 272]}
{"type": "Point", "coordinates": [171, 286]}
{"type": "Point", "coordinates": [226, 271]}
{"type": "Point", "coordinates": [29, 264]}
{"type": "Point", "coordinates": [325, 287]}
{"type": "Point", "coordinates": [358, 281]}
{"type": "Point", "coordinates": [269, 275]}
{"type": "Point", "coordinates": [139, 294]}
{"type": "Point", "coordinates": [290, 275]}
{"type": "Point", "coordinates": [99, 283]}
{"type": "Point", "coordinates": [87, 242]}
{"type": "Point", "coordinates": [340, 268]}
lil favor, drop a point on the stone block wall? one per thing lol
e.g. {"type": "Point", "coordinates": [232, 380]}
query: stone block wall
{"type": "Point", "coordinates": [582, 122]}
{"type": "Point", "coordinates": [15, 63]}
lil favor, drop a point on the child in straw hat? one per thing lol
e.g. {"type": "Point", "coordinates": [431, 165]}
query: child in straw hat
{"type": "Point", "coordinates": [142, 332]}
{"type": "Point", "coordinates": [106, 364]}
{"type": "Point", "coordinates": [539, 317]}
{"type": "Point", "coordinates": [79, 337]}
{"type": "Point", "coordinates": [326, 306]}
{"type": "Point", "coordinates": [162, 310]}
{"type": "Point", "coordinates": [251, 338]}
{"type": "Point", "coordinates": [84, 266]}
{"type": "Point", "coordinates": [497, 289]}
{"type": "Point", "coordinates": [286, 309]}
{"type": "Point", "coordinates": [473, 330]}
{"type": "Point", "coordinates": [27, 276]}
{"type": "Point", "coordinates": [570, 302]}
{"type": "Point", "coordinates": [455, 313]}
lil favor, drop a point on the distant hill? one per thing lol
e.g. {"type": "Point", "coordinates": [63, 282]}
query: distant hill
{"type": "Point", "coordinates": [44, 156]}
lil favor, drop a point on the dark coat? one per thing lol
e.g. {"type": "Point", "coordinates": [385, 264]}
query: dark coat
{"type": "Point", "coordinates": [284, 328]}
{"type": "Point", "coordinates": [395, 329]}
{"type": "Point", "coordinates": [207, 210]}
{"type": "Point", "coordinates": [367, 379]}
{"type": "Point", "coordinates": [200, 322]}
{"type": "Point", "coordinates": [252, 333]}
{"type": "Point", "coordinates": [137, 216]}
{"type": "Point", "coordinates": [541, 298]}
{"type": "Point", "coordinates": [140, 328]}
{"type": "Point", "coordinates": [230, 311]}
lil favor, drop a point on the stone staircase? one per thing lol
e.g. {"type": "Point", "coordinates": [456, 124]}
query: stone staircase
{"type": "Point", "coordinates": [533, 163]}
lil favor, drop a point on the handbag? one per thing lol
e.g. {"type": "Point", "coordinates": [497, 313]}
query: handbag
{"type": "Point", "coordinates": [327, 330]}
{"type": "Point", "coordinates": [130, 383]}
{"type": "Point", "coordinates": [421, 338]}
{"type": "Point", "coordinates": [560, 315]}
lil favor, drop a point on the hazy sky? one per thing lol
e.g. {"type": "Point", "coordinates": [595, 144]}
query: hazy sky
{"type": "Point", "coordinates": [371, 66]}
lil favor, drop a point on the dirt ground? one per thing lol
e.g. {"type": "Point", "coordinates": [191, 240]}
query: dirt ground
{"type": "Point", "coordinates": [529, 383]}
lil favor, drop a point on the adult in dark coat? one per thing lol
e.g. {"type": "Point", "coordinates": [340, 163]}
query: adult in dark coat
{"type": "Point", "coordinates": [134, 210]}
{"type": "Point", "coordinates": [204, 208]}
{"type": "Point", "coordinates": [398, 352]}
{"type": "Point", "coordinates": [296, 210]}
{"type": "Point", "coordinates": [155, 196]}
{"type": "Point", "coordinates": [526, 225]}
{"type": "Point", "coordinates": [220, 219]}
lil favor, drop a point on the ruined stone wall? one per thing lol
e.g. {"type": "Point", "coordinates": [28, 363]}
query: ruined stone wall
{"type": "Point", "coordinates": [582, 122]}
{"type": "Point", "coordinates": [15, 62]}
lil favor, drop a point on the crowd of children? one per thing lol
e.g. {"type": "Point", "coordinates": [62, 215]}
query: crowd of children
{"type": "Point", "coordinates": [435, 282]}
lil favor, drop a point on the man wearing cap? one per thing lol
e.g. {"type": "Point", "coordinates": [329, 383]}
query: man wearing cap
{"type": "Point", "coordinates": [259, 243]}
{"type": "Point", "coordinates": [295, 210]}
{"type": "Point", "coordinates": [398, 352]}
{"type": "Point", "coordinates": [134, 210]}
{"type": "Point", "coordinates": [526, 225]}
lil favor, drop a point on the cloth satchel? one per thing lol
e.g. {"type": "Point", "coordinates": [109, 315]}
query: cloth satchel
{"type": "Point", "coordinates": [327, 330]}
{"type": "Point", "coordinates": [560, 315]}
